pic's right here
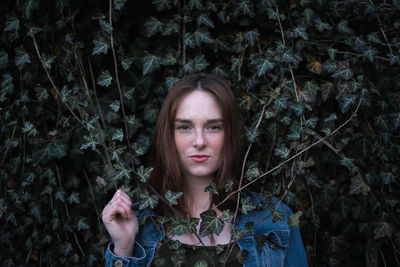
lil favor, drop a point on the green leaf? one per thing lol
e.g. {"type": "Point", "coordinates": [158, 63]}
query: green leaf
{"type": "Point", "coordinates": [210, 224]}
{"type": "Point", "coordinates": [244, 7]}
{"type": "Point", "coordinates": [168, 60]}
{"type": "Point", "coordinates": [188, 40]}
{"type": "Point", "coordinates": [82, 224]}
{"type": "Point", "coordinates": [202, 36]}
{"type": "Point", "coordinates": [308, 14]}
{"type": "Point", "coordinates": [252, 173]}
{"type": "Point", "coordinates": [100, 46]}
{"type": "Point", "coordinates": [358, 186]}
{"type": "Point", "coordinates": [144, 173]}
{"type": "Point", "coordinates": [104, 79]}
{"type": "Point", "coordinates": [262, 64]}
{"type": "Point", "coordinates": [153, 26]}
{"type": "Point", "coordinates": [147, 200]}
{"type": "Point", "coordinates": [21, 57]}
{"type": "Point", "coordinates": [115, 105]}
{"type": "Point", "coordinates": [251, 36]}
{"type": "Point", "coordinates": [282, 151]}
{"type": "Point", "coordinates": [118, 135]}
{"type": "Point", "coordinates": [201, 263]}
{"type": "Point", "coordinates": [370, 53]}
{"type": "Point", "coordinates": [47, 61]}
{"type": "Point", "coordinates": [170, 28]}
{"type": "Point", "coordinates": [11, 24]}
{"type": "Point", "coordinates": [177, 226]}
{"type": "Point", "coordinates": [195, 4]}
{"type": "Point", "coordinates": [211, 188]}
{"type": "Point", "coordinates": [118, 4]}
{"type": "Point", "coordinates": [344, 73]}
{"type": "Point", "coordinates": [3, 60]}
{"type": "Point", "coordinates": [127, 62]}
{"type": "Point", "coordinates": [121, 172]}
{"type": "Point", "coordinates": [347, 162]}
{"type": "Point", "coordinates": [294, 219]}
{"type": "Point", "coordinates": [205, 20]}
{"type": "Point", "coordinates": [382, 229]}
{"type": "Point", "coordinates": [150, 63]}
{"type": "Point", "coordinates": [228, 186]}
{"type": "Point", "coordinates": [105, 26]}
{"type": "Point", "coordinates": [289, 57]}
{"type": "Point", "coordinates": [321, 26]}
{"type": "Point", "coordinates": [55, 149]}
{"type": "Point", "coordinates": [332, 53]}
{"type": "Point", "coordinates": [226, 215]}
{"type": "Point", "coordinates": [300, 31]}
{"type": "Point", "coordinates": [29, 129]}
{"type": "Point", "coordinates": [170, 81]}
{"type": "Point", "coordinates": [161, 4]}
{"type": "Point", "coordinates": [387, 177]}
{"type": "Point", "coordinates": [344, 28]}
{"type": "Point", "coordinates": [394, 59]}
{"type": "Point", "coordinates": [172, 197]}
{"type": "Point", "coordinates": [28, 6]}
{"type": "Point", "coordinates": [247, 205]}
{"type": "Point", "coordinates": [191, 223]}
{"type": "Point", "coordinates": [73, 198]}
{"type": "Point", "coordinates": [374, 38]}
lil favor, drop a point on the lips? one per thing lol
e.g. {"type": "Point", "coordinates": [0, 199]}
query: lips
{"type": "Point", "coordinates": [199, 158]}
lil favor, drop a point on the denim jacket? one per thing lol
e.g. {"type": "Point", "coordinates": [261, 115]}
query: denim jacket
{"type": "Point", "coordinates": [283, 245]}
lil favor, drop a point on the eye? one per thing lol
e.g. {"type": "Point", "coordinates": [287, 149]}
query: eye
{"type": "Point", "coordinates": [183, 127]}
{"type": "Point", "coordinates": [215, 127]}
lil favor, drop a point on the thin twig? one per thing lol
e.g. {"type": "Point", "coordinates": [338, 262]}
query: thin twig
{"type": "Point", "coordinates": [294, 156]}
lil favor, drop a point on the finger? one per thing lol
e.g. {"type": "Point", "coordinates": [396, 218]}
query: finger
{"type": "Point", "coordinates": [119, 207]}
{"type": "Point", "coordinates": [121, 195]}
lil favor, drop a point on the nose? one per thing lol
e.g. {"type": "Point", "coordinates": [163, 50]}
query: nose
{"type": "Point", "coordinates": [199, 140]}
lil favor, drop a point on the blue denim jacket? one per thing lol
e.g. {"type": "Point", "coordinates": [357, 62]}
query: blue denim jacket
{"type": "Point", "coordinates": [283, 245]}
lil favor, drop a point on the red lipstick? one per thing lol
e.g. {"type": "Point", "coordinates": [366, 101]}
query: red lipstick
{"type": "Point", "coordinates": [199, 158]}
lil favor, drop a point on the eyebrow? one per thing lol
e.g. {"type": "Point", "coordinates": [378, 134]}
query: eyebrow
{"type": "Point", "coordinates": [189, 121]}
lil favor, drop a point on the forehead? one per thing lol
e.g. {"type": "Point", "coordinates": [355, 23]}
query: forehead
{"type": "Point", "coordinates": [198, 104]}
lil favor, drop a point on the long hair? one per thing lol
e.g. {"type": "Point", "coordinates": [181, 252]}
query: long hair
{"type": "Point", "coordinates": [167, 173]}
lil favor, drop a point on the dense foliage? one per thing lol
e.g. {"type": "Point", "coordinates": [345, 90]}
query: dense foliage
{"type": "Point", "coordinates": [82, 83]}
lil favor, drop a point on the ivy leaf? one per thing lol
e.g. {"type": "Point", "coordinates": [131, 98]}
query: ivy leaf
{"type": "Point", "coordinates": [394, 59]}
{"type": "Point", "coordinates": [202, 36]}
{"type": "Point", "coordinates": [104, 79]}
{"type": "Point", "coordinates": [28, 6]}
{"type": "Point", "coordinates": [211, 188]}
{"type": "Point", "coordinates": [210, 223]}
{"type": "Point", "coordinates": [121, 172]}
{"type": "Point", "coordinates": [251, 36]}
{"type": "Point", "coordinates": [329, 66]}
{"type": "Point", "coordinates": [191, 223]}
{"type": "Point", "coordinates": [73, 198]}
{"type": "Point", "coordinates": [90, 142]}
{"type": "Point", "coordinates": [282, 151]}
{"type": "Point", "coordinates": [226, 215]}
{"type": "Point", "coordinates": [47, 61]}
{"type": "Point", "coordinates": [29, 129]}
{"type": "Point", "coordinates": [195, 4]}
{"type": "Point", "coordinates": [118, 135]}
{"type": "Point", "coordinates": [173, 197]}
{"type": "Point", "coordinates": [382, 229]}
{"type": "Point", "coordinates": [55, 149]}
{"type": "Point", "coordinates": [228, 186]}
{"type": "Point", "coordinates": [144, 174]}
{"type": "Point", "coordinates": [358, 186]}
{"type": "Point", "coordinates": [321, 26]}
{"type": "Point", "coordinates": [11, 24]}
{"type": "Point", "coordinates": [344, 28]}
{"type": "Point", "coordinates": [115, 105]}
{"type": "Point", "coordinates": [147, 200]}
{"type": "Point", "coordinates": [82, 224]}
{"type": "Point", "coordinates": [262, 64]}
{"type": "Point", "coordinates": [150, 63]}
{"type": "Point", "coordinates": [347, 162]}
{"type": "Point", "coordinates": [294, 219]}
{"type": "Point", "coordinates": [3, 60]}
{"type": "Point", "coordinates": [387, 177]}
{"type": "Point", "coordinates": [100, 46]}
{"type": "Point", "coordinates": [170, 81]}
{"type": "Point", "coordinates": [344, 73]}
{"type": "Point", "coordinates": [201, 263]}
{"type": "Point", "coordinates": [247, 205]}
{"type": "Point", "coordinates": [105, 26]}
{"type": "Point", "coordinates": [118, 4]}
{"type": "Point", "coordinates": [188, 40]}
{"type": "Point", "coordinates": [21, 57]}
{"type": "Point", "coordinates": [205, 20]}
{"type": "Point", "coordinates": [170, 28]}
{"type": "Point", "coordinates": [314, 66]}
{"type": "Point", "coordinates": [153, 26]}
{"type": "Point", "coordinates": [161, 4]}
{"type": "Point", "coordinates": [370, 53]}
{"type": "Point", "coordinates": [177, 227]}
{"type": "Point", "coordinates": [374, 38]}
{"type": "Point", "coordinates": [244, 7]}
{"type": "Point", "coordinates": [252, 173]}
{"type": "Point", "coordinates": [300, 31]}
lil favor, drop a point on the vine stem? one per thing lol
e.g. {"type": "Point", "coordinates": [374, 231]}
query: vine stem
{"type": "Point", "coordinates": [290, 66]}
{"type": "Point", "coordinates": [53, 84]}
{"type": "Point", "coordinates": [118, 84]}
{"type": "Point", "coordinates": [294, 156]}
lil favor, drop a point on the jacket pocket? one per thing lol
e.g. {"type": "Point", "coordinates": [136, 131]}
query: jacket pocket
{"type": "Point", "coordinates": [273, 245]}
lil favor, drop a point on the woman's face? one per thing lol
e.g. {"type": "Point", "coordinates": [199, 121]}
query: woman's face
{"type": "Point", "coordinates": [199, 134]}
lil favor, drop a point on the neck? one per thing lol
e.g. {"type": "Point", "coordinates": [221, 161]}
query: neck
{"type": "Point", "coordinates": [197, 200]}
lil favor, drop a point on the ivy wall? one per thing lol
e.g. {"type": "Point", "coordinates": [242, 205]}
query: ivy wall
{"type": "Point", "coordinates": [82, 83]}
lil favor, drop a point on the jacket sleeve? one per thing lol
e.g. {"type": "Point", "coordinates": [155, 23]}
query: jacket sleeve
{"type": "Point", "coordinates": [295, 254]}
{"type": "Point", "coordinates": [138, 259]}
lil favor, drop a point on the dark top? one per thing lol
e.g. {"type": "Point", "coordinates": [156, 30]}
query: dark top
{"type": "Point", "coordinates": [174, 253]}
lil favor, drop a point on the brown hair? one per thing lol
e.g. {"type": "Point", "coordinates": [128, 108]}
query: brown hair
{"type": "Point", "coordinates": [167, 173]}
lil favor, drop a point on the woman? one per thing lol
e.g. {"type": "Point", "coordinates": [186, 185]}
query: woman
{"type": "Point", "coordinates": [197, 144]}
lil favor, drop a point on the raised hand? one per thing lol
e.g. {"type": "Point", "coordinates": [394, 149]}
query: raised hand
{"type": "Point", "coordinates": [121, 223]}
